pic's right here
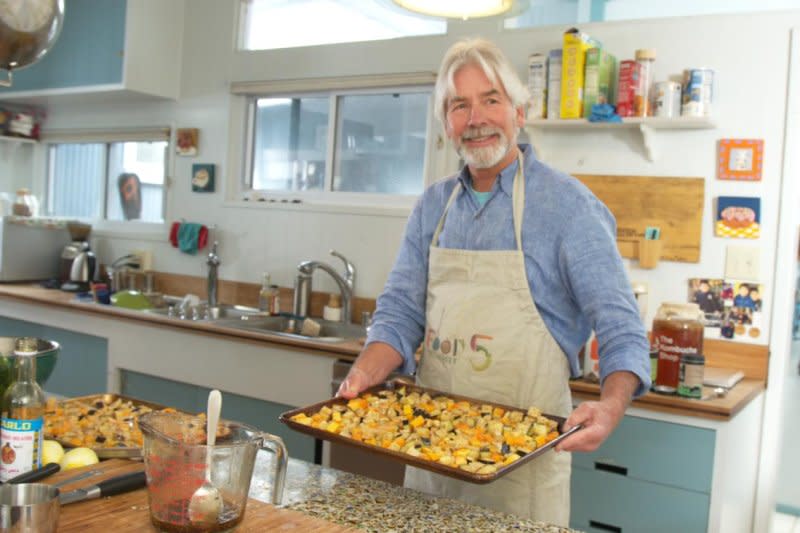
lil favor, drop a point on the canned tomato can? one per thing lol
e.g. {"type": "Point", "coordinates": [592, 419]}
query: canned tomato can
{"type": "Point", "coordinates": [698, 92]}
{"type": "Point", "coordinates": [667, 101]}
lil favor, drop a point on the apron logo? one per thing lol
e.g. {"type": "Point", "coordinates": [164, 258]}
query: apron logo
{"type": "Point", "coordinates": [448, 350]}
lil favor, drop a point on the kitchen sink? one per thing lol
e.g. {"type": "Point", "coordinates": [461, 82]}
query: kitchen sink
{"type": "Point", "coordinates": [282, 326]}
{"type": "Point", "coordinates": [201, 313]}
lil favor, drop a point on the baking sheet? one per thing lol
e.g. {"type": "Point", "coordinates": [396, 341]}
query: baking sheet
{"type": "Point", "coordinates": [450, 471]}
{"type": "Point", "coordinates": [88, 401]}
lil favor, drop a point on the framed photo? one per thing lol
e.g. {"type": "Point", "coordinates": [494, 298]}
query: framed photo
{"type": "Point", "coordinates": [740, 159]}
{"type": "Point", "coordinates": [186, 141]}
{"type": "Point", "coordinates": [203, 178]}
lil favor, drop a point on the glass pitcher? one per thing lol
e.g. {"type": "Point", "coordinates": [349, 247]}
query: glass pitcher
{"type": "Point", "coordinates": [176, 468]}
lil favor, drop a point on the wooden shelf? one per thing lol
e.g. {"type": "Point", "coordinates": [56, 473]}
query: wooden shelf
{"type": "Point", "coordinates": [647, 127]}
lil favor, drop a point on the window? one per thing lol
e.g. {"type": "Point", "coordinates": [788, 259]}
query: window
{"type": "Point", "coordinates": [342, 142]}
{"type": "Point", "coordinates": [272, 24]}
{"type": "Point", "coordinates": [122, 180]}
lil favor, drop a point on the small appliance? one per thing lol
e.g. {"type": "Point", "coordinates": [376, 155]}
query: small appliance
{"type": "Point", "coordinates": [30, 248]}
{"type": "Point", "coordinates": [78, 262]}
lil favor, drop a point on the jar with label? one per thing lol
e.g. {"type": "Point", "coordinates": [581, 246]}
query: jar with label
{"type": "Point", "coordinates": [25, 204]}
{"type": "Point", "coordinates": [642, 105]}
{"type": "Point", "coordinates": [677, 331]}
{"type": "Point", "coordinates": [692, 371]}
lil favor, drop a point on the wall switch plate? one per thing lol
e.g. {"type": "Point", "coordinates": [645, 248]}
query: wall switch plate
{"type": "Point", "coordinates": [743, 262]}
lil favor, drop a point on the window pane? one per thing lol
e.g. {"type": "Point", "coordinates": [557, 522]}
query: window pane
{"type": "Point", "coordinates": [77, 173]}
{"type": "Point", "coordinates": [135, 188]}
{"type": "Point", "coordinates": [291, 138]}
{"type": "Point", "coordinates": [380, 143]}
{"type": "Point", "coordinates": [271, 24]}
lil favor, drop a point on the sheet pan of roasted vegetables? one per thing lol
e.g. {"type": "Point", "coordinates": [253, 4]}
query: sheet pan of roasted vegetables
{"type": "Point", "coordinates": [453, 435]}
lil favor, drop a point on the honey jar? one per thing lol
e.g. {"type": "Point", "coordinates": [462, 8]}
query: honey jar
{"type": "Point", "coordinates": [677, 331]}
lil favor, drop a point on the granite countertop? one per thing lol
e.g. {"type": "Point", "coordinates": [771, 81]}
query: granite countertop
{"type": "Point", "coordinates": [369, 505]}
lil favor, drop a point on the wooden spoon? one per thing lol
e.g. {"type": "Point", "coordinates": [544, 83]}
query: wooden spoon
{"type": "Point", "coordinates": [205, 504]}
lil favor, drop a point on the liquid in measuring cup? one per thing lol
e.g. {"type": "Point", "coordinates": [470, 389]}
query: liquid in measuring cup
{"type": "Point", "coordinates": [175, 519]}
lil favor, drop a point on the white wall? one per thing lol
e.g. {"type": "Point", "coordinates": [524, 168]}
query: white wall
{"type": "Point", "coordinates": [750, 54]}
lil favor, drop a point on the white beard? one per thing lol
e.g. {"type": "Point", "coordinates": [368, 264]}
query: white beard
{"type": "Point", "coordinates": [487, 156]}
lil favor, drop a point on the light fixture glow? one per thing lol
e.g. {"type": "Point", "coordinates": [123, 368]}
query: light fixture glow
{"type": "Point", "coordinates": [463, 9]}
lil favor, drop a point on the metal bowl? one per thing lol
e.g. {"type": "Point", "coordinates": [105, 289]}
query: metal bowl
{"type": "Point", "coordinates": [28, 31]}
{"type": "Point", "coordinates": [29, 507]}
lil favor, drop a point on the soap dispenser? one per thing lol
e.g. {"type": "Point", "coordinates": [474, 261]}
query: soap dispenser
{"type": "Point", "coordinates": [333, 309]}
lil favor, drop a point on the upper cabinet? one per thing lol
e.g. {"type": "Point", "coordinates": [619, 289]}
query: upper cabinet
{"type": "Point", "coordinates": [108, 46]}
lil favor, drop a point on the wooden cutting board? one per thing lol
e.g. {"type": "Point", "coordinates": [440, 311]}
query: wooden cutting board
{"type": "Point", "coordinates": [675, 205]}
{"type": "Point", "coordinates": [129, 513]}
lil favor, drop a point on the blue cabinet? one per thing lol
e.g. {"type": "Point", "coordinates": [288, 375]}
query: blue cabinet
{"type": "Point", "coordinates": [648, 476]}
{"type": "Point", "coordinates": [258, 413]}
{"type": "Point", "coordinates": [89, 50]}
{"type": "Point", "coordinates": [82, 365]}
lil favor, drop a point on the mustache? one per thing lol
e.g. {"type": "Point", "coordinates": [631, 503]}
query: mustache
{"type": "Point", "coordinates": [485, 131]}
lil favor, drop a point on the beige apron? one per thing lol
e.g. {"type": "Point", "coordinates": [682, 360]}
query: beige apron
{"type": "Point", "coordinates": [484, 338]}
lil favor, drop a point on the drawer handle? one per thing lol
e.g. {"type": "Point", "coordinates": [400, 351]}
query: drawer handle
{"type": "Point", "coordinates": [605, 527]}
{"type": "Point", "coordinates": [614, 469]}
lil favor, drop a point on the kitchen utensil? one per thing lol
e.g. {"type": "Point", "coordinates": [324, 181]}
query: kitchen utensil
{"type": "Point", "coordinates": [27, 32]}
{"type": "Point", "coordinates": [35, 475]}
{"type": "Point", "coordinates": [77, 477]}
{"type": "Point", "coordinates": [109, 487]}
{"type": "Point", "coordinates": [206, 502]}
{"type": "Point", "coordinates": [433, 466]}
{"type": "Point", "coordinates": [176, 468]}
{"type": "Point", "coordinates": [78, 266]}
{"type": "Point", "coordinates": [29, 507]}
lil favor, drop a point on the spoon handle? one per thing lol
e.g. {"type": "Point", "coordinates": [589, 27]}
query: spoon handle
{"type": "Point", "coordinates": [212, 417]}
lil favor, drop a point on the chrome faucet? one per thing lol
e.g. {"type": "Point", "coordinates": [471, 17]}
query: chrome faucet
{"type": "Point", "coordinates": [302, 285]}
{"type": "Point", "coordinates": [213, 277]}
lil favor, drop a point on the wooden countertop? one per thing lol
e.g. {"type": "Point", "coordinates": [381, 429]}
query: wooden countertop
{"type": "Point", "coordinates": [714, 409]}
{"type": "Point", "coordinates": [33, 293]}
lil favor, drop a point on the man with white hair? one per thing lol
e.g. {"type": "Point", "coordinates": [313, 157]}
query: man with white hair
{"type": "Point", "coordinates": [504, 270]}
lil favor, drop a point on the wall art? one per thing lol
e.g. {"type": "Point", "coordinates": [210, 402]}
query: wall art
{"type": "Point", "coordinates": [740, 159]}
{"type": "Point", "coordinates": [203, 178]}
{"type": "Point", "coordinates": [738, 217]}
{"type": "Point", "coordinates": [186, 140]}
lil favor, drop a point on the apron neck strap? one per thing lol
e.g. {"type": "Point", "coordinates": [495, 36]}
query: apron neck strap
{"type": "Point", "coordinates": [518, 200]}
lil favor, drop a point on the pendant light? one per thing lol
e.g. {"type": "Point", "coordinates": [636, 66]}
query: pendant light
{"type": "Point", "coordinates": [464, 9]}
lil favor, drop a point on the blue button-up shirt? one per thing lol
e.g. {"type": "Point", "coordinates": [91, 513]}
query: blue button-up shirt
{"type": "Point", "coordinates": [574, 269]}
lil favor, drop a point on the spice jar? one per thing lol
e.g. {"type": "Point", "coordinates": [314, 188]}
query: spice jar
{"type": "Point", "coordinates": [642, 105]}
{"type": "Point", "coordinates": [677, 331]}
{"type": "Point", "coordinates": [692, 372]}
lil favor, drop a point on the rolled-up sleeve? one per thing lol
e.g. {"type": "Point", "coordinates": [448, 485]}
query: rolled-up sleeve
{"type": "Point", "coordinates": [399, 318]}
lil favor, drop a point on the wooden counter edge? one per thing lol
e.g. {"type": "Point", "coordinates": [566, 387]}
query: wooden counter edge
{"type": "Point", "coordinates": [715, 409]}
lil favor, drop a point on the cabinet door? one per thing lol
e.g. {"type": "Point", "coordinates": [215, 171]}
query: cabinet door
{"type": "Point", "coordinates": [661, 452]}
{"type": "Point", "coordinates": [89, 50]}
{"type": "Point", "coordinates": [258, 413]}
{"type": "Point", "coordinates": [82, 364]}
{"type": "Point", "coordinates": [603, 502]}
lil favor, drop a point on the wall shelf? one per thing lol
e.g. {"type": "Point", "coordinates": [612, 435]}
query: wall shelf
{"type": "Point", "coordinates": [647, 127]}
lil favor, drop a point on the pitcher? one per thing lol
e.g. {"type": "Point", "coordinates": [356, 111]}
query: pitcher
{"type": "Point", "coordinates": [176, 468]}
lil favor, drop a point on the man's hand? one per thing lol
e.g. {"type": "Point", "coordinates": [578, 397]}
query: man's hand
{"type": "Point", "coordinates": [374, 363]}
{"type": "Point", "coordinates": [599, 418]}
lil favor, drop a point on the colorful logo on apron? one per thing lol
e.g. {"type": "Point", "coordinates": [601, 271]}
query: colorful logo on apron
{"type": "Point", "coordinates": [448, 350]}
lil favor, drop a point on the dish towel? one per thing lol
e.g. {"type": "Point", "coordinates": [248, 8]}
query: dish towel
{"type": "Point", "coordinates": [188, 237]}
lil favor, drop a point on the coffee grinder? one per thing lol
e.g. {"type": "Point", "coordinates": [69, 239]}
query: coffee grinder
{"type": "Point", "coordinates": [78, 262]}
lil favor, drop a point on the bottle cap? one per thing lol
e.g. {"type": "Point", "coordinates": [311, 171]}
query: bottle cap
{"type": "Point", "coordinates": [26, 346]}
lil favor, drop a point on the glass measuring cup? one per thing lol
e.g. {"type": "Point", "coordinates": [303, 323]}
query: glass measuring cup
{"type": "Point", "coordinates": [175, 464]}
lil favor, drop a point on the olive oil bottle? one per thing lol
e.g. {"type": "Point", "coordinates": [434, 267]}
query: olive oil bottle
{"type": "Point", "coordinates": [23, 404]}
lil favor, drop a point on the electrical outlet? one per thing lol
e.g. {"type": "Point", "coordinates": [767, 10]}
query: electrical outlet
{"type": "Point", "coordinates": [145, 259]}
{"type": "Point", "coordinates": [743, 262]}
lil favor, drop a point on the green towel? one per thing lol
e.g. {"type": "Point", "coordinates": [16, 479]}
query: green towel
{"type": "Point", "coordinates": [188, 236]}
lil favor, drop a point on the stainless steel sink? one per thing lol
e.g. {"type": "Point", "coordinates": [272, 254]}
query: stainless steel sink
{"type": "Point", "coordinates": [201, 313]}
{"type": "Point", "coordinates": [290, 327]}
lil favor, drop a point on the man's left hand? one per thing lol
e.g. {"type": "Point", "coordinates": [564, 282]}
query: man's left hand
{"type": "Point", "coordinates": [599, 418]}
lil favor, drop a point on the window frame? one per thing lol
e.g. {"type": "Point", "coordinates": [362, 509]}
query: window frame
{"type": "Point", "coordinates": [102, 226]}
{"type": "Point", "coordinates": [242, 123]}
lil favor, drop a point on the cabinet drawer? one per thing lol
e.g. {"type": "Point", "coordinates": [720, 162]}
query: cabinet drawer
{"type": "Point", "coordinates": [603, 502]}
{"type": "Point", "coordinates": [649, 450]}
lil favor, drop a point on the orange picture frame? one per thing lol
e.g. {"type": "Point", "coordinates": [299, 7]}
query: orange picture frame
{"type": "Point", "coordinates": [740, 159]}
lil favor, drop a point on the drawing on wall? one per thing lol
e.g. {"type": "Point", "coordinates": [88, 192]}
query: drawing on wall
{"type": "Point", "coordinates": [203, 178]}
{"type": "Point", "coordinates": [732, 309]}
{"type": "Point", "coordinates": [740, 159]}
{"type": "Point", "coordinates": [738, 217]}
{"type": "Point", "coordinates": [186, 141]}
